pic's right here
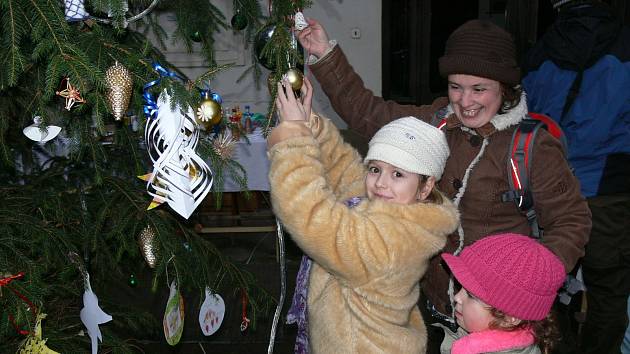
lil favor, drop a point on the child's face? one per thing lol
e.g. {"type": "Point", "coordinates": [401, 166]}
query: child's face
{"type": "Point", "coordinates": [392, 184]}
{"type": "Point", "coordinates": [471, 313]}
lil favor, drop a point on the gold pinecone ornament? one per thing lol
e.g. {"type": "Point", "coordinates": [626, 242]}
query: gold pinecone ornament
{"type": "Point", "coordinates": [120, 85]}
{"type": "Point", "coordinates": [148, 247]}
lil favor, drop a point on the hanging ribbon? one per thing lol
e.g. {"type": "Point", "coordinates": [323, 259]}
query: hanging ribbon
{"type": "Point", "coordinates": [283, 287]}
{"type": "Point", "coordinates": [150, 105]}
{"type": "Point", "coordinates": [5, 282]}
{"type": "Point", "coordinates": [244, 320]}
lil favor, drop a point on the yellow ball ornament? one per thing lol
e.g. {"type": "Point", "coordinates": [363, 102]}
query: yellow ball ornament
{"type": "Point", "coordinates": [295, 78]}
{"type": "Point", "coordinates": [209, 112]}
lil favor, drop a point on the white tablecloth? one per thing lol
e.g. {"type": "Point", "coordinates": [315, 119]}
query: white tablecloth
{"type": "Point", "coordinates": [253, 158]}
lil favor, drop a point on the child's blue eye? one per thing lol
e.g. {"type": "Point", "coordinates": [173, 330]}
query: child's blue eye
{"type": "Point", "coordinates": [398, 174]}
{"type": "Point", "coordinates": [373, 169]}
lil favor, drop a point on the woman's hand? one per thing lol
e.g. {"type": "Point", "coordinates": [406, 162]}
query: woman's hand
{"type": "Point", "coordinates": [314, 38]}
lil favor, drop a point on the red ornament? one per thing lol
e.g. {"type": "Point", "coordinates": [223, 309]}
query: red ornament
{"type": "Point", "coordinates": [244, 320]}
{"type": "Point", "coordinates": [5, 282]}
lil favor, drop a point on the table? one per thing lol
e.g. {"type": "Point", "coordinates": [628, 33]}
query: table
{"type": "Point", "coordinates": [253, 158]}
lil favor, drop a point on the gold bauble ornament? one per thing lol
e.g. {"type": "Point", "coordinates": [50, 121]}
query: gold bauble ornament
{"type": "Point", "coordinates": [209, 112]}
{"type": "Point", "coordinates": [295, 78]}
{"type": "Point", "coordinates": [120, 85]}
{"type": "Point", "coordinates": [148, 248]}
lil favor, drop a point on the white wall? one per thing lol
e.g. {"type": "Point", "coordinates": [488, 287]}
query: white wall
{"type": "Point", "coordinates": [339, 17]}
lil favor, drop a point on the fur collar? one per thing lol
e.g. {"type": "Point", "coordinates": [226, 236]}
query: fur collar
{"type": "Point", "coordinates": [512, 117]}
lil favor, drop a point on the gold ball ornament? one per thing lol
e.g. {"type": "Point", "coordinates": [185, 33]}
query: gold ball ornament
{"type": "Point", "coordinates": [120, 85]}
{"type": "Point", "coordinates": [148, 248]}
{"type": "Point", "coordinates": [209, 113]}
{"type": "Point", "coordinates": [295, 78]}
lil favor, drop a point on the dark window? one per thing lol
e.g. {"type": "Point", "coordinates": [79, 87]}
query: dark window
{"type": "Point", "coordinates": [415, 31]}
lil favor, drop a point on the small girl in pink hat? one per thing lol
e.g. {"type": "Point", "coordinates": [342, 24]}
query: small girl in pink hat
{"type": "Point", "coordinates": [509, 283]}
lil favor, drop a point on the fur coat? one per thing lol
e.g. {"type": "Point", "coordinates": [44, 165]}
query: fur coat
{"type": "Point", "coordinates": [368, 260]}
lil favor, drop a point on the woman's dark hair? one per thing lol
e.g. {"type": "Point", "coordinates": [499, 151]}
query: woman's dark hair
{"type": "Point", "coordinates": [545, 331]}
{"type": "Point", "coordinates": [511, 97]}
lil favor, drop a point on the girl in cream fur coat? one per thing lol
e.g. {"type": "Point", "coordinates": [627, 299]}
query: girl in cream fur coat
{"type": "Point", "coordinates": [368, 227]}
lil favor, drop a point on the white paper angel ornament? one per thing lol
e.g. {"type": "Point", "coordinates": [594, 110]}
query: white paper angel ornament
{"type": "Point", "coordinates": [92, 315]}
{"type": "Point", "coordinates": [38, 132]}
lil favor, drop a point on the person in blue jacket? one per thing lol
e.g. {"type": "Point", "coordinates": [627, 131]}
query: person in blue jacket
{"type": "Point", "coordinates": [579, 74]}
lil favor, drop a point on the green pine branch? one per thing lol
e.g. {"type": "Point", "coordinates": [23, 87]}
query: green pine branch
{"type": "Point", "coordinates": [89, 202]}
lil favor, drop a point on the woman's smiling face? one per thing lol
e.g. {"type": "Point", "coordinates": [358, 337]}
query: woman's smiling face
{"type": "Point", "coordinates": [475, 100]}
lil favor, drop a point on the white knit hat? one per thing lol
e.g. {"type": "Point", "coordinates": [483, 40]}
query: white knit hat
{"type": "Point", "coordinates": [412, 145]}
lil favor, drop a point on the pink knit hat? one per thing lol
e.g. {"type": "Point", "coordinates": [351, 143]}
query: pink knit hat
{"type": "Point", "coordinates": [510, 272]}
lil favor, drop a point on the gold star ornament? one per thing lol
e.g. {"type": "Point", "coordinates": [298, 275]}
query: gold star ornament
{"type": "Point", "coordinates": [71, 94]}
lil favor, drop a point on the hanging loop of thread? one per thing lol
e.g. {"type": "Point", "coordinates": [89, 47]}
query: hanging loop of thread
{"type": "Point", "coordinates": [4, 282]}
{"type": "Point", "coordinates": [168, 282]}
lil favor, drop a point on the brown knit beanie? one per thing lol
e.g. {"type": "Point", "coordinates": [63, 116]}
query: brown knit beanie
{"type": "Point", "coordinates": [483, 49]}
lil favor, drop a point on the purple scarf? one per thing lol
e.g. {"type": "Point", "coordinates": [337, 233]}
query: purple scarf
{"type": "Point", "coordinates": [298, 311]}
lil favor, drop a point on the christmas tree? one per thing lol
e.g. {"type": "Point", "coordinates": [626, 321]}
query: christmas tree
{"type": "Point", "coordinates": [83, 78]}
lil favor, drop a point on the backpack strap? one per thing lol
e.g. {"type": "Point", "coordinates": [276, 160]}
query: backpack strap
{"type": "Point", "coordinates": [554, 129]}
{"type": "Point", "coordinates": [438, 119]}
{"type": "Point", "coordinates": [520, 153]}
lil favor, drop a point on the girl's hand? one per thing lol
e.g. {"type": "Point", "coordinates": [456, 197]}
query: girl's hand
{"type": "Point", "coordinates": [306, 94]}
{"type": "Point", "coordinates": [289, 107]}
{"type": "Point", "coordinates": [314, 38]}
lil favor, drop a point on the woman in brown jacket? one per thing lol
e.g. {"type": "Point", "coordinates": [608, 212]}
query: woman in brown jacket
{"type": "Point", "coordinates": [484, 106]}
